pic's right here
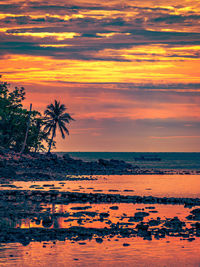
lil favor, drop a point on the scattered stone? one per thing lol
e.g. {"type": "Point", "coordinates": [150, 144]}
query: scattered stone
{"type": "Point", "coordinates": [47, 222]}
{"type": "Point", "coordinates": [81, 208]}
{"type": "Point", "coordinates": [99, 240]}
{"type": "Point", "coordinates": [174, 223]}
{"type": "Point", "coordinates": [126, 244]}
{"type": "Point", "coordinates": [114, 207]}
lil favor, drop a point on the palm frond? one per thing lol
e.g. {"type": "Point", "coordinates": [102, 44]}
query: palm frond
{"type": "Point", "coordinates": [62, 132]}
{"type": "Point", "coordinates": [48, 128]}
{"type": "Point", "coordinates": [64, 128]}
{"type": "Point", "coordinates": [66, 117]}
{"type": "Point", "coordinates": [55, 115]}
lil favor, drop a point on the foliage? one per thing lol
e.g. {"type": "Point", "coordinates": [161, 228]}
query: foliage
{"type": "Point", "coordinates": [56, 117]}
{"type": "Point", "coordinates": [13, 122]}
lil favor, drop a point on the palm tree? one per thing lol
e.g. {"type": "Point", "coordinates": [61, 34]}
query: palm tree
{"type": "Point", "coordinates": [55, 116]}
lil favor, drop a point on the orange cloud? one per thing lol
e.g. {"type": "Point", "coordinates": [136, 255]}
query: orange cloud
{"type": "Point", "coordinates": [107, 61]}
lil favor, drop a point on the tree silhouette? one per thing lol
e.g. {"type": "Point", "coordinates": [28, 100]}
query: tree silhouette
{"type": "Point", "coordinates": [56, 117]}
{"type": "Point", "coordinates": [20, 129]}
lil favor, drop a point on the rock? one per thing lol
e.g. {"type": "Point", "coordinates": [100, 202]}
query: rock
{"type": "Point", "coordinates": [66, 157]}
{"type": "Point", "coordinates": [191, 239]}
{"type": "Point", "coordinates": [141, 226]}
{"type": "Point", "coordinates": [195, 215]}
{"type": "Point", "coordinates": [196, 212]}
{"type": "Point", "coordinates": [126, 244]}
{"type": "Point", "coordinates": [114, 207]}
{"type": "Point", "coordinates": [7, 172]}
{"type": "Point", "coordinates": [174, 223]}
{"type": "Point", "coordinates": [154, 222]}
{"type": "Point", "coordinates": [99, 240]}
{"type": "Point", "coordinates": [150, 208]}
{"type": "Point", "coordinates": [85, 213]}
{"type": "Point", "coordinates": [103, 162]}
{"type": "Point", "coordinates": [104, 214]}
{"type": "Point", "coordinates": [47, 222]}
{"type": "Point", "coordinates": [2, 163]}
{"type": "Point", "coordinates": [2, 151]}
{"type": "Point", "coordinates": [81, 208]}
{"type": "Point", "coordinates": [197, 225]}
{"type": "Point", "coordinates": [141, 214]}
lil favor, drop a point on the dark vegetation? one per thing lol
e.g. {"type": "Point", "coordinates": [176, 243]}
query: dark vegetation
{"type": "Point", "coordinates": [16, 122]}
{"type": "Point", "coordinates": [56, 117]}
{"type": "Point", "coordinates": [24, 132]}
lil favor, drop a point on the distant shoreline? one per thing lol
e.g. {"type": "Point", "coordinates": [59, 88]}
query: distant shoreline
{"type": "Point", "coordinates": [38, 166]}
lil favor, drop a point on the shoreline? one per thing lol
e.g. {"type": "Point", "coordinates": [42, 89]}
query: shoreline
{"type": "Point", "coordinates": [18, 205]}
{"type": "Point", "coordinates": [59, 197]}
{"type": "Point", "coordinates": [139, 224]}
{"type": "Point", "coordinates": [37, 166]}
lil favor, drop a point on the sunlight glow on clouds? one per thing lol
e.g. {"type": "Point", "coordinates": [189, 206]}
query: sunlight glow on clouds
{"type": "Point", "coordinates": [58, 36]}
{"type": "Point", "coordinates": [127, 70]}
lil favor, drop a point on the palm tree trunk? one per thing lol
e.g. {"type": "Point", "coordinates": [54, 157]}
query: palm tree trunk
{"type": "Point", "coordinates": [53, 134]}
{"type": "Point", "coordinates": [27, 129]}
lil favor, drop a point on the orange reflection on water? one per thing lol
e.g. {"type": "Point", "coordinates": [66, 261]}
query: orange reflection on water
{"type": "Point", "coordinates": [65, 216]}
{"type": "Point", "coordinates": [166, 252]}
{"type": "Point", "coordinates": [144, 185]}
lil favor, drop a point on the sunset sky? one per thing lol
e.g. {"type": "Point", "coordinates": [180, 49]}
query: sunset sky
{"type": "Point", "coordinates": [128, 71]}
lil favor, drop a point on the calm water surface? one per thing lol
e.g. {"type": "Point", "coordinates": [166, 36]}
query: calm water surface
{"type": "Point", "coordinates": [121, 215]}
{"type": "Point", "coordinates": [169, 251]}
{"type": "Point", "coordinates": [144, 185]}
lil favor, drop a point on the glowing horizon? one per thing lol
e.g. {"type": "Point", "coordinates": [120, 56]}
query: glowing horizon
{"type": "Point", "coordinates": [128, 72]}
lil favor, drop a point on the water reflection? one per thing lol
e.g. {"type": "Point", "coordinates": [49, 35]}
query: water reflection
{"type": "Point", "coordinates": [144, 185]}
{"type": "Point", "coordinates": [53, 216]}
{"type": "Point", "coordinates": [122, 234]}
{"type": "Point", "coordinates": [168, 252]}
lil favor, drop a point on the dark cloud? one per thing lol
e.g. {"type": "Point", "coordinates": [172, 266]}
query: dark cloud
{"type": "Point", "coordinates": [90, 40]}
{"type": "Point", "coordinates": [43, 7]}
{"type": "Point", "coordinates": [9, 7]}
{"type": "Point", "coordinates": [132, 86]}
{"type": "Point", "coordinates": [184, 55]}
{"type": "Point", "coordinates": [30, 48]}
{"type": "Point", "coordinates": [90, 35]}
{"type": "Point", "coordinates": [86, 46]}
{"type": "Point", "coordinates": [69, 7]}
{"type": "Point", "coordinates": [23, 20]}
{"type": "Point", "coordinates": [171, 19]}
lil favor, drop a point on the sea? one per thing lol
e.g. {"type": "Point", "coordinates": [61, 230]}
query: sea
{"type": "Point", "coordinates": [161, 160]}
{"type": "Point", "coordinates": [109, 250]}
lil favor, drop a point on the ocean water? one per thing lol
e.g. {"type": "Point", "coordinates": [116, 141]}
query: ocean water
{"type": "Point", "coordinates": [143, 185]}
{"type": "Point", "coordinates": [164, 160]}
{"type": "Point", "coordinates": [114, 250]}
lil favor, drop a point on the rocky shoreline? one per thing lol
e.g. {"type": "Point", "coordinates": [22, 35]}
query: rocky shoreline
{"type": "Point", "coordinates": [37, 166]}
{"type": "Point", "coordinates": [56, 197]}
{"type": "Point", "coordinates": [77, 233]}
{"type": "Point", "coordinates": [22, 205]}
{"type": "Point", "coordinates": [18, 205]}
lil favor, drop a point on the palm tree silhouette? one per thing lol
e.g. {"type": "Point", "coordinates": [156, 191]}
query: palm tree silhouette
{"type": "Point", "coordinates": [55, 116]}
